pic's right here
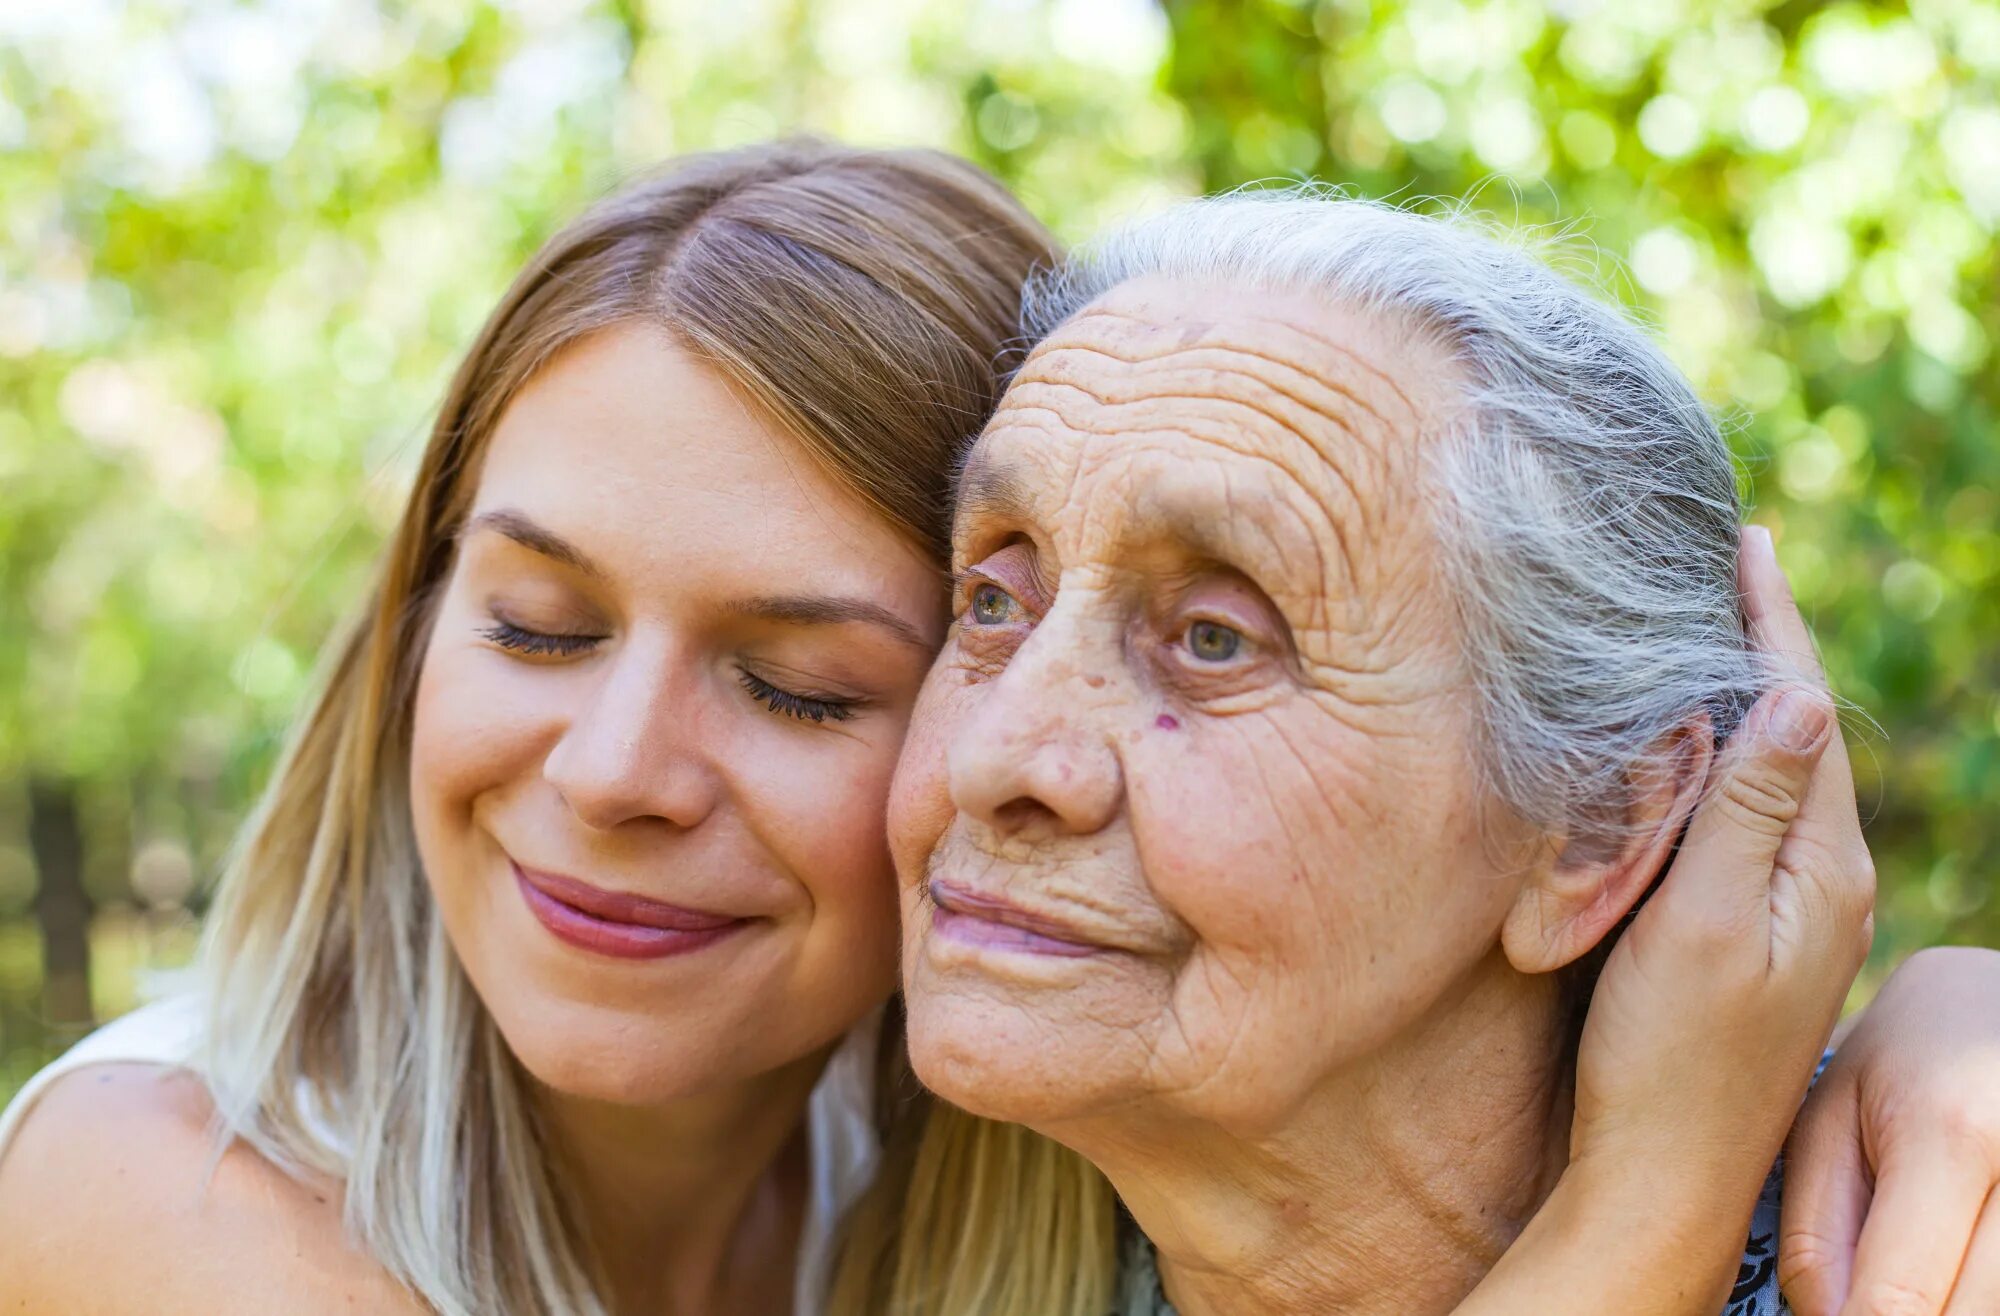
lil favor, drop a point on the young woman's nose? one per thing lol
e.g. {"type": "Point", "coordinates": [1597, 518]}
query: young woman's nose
{"type": "Point", "coordinates": [634, 747]}
{"type": "Point", "coordinates": [1036, 753]}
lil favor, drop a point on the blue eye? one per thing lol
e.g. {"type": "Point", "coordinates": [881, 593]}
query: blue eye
{"type": "Point", "coordinates": [1212, 642]}
{"type": "Point", "coordinates": [992, 606]}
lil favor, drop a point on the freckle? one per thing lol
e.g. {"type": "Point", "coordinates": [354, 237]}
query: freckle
{"type": "Point", "coordinates": [1094, 681]}
{"type": "Point", "coordinates": [1167, 722]}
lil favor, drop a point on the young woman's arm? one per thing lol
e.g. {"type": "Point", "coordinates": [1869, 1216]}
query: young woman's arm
{"type": "Point", "coordinates": [1705, 1027]}
{"type": "Point", "coordinates": [1892, 1179]}
{"type": "Point", "coordinates": [1891, 1183]}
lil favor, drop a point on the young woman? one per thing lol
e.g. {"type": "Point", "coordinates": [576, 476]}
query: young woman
{"type": "Point", "coordinates": [554, 958]}
{"type": "Point", "coordinates": [551, 975]}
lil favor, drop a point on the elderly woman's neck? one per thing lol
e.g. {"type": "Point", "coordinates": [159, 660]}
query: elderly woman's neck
{"type": "Point", "coordinates": [1394, 1190]}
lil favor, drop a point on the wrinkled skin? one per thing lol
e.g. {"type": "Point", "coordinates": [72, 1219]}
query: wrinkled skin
{"type": "Point", "coordinates": [1285, 855]}
{"type": "Point", "coordinates": [1202, 729]}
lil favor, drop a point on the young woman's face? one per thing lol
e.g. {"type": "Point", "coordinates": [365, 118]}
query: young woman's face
{"type": "Point", "coordinates": [655, 728]}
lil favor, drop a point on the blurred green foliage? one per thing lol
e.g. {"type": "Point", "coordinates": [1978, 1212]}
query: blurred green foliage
{"type": "Point", "coordinates": [240, 244]}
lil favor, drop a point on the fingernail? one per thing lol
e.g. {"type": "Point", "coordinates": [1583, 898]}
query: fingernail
{"type": "Point", "coordinates": [1762, 534]}
{"type": "Point", "coordinates": [1798, 721]}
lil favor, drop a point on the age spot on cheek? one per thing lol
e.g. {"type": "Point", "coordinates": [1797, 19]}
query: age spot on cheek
{"type": "Point", "coordinates": [1167, 722]}
{"type": "Point", "coordinates": [1094, 681]}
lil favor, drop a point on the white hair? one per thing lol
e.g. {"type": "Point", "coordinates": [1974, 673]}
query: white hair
{"type": "Point", "coordinates": [1588, 502]}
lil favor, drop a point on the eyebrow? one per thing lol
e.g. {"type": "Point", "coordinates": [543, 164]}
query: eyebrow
{"type": "Point", "coordinates": [828, 610]}
{"type": "Point", "coordinates": [987, 488]}
{"type": "Point", "coordinates": [791, 609]}
{"type": "Point", "coordinates": [523, 530]}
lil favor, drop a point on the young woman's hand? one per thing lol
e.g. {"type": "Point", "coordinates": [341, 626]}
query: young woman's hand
{"type": "Point", "coordinates": [1715, 1004]}
{"type": "Point", "coordinates": [1892, 1180]}
{"type": "Point", "coordinates": [1711, 1012]}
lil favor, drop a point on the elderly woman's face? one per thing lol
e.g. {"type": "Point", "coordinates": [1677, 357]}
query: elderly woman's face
{"type": "Point", "coordinates": [1189, 811]}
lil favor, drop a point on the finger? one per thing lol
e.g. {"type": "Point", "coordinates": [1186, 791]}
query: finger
{"type": "Point", "coordinates": [1777, 628]}
{"type": "Point", "coordinates": [1827, 1188]}
{"type": "Point", "coordinates": [1826, 856]}
{"type": "Point", "coordinates": [1928, 1197]}
{"type": "Point", "coordinates": [1724, 868]}
{"type": "Point", "coordinates": [1769, 609]}
{"type": "Point", "coordinates": [1978, 1291]}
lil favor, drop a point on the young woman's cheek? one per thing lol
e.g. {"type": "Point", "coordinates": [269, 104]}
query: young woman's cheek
{"type": "Point", "coordinates": [920, 807]}
{"type": "Point", "coordinates": [481, 724]}
{"type": "Point", "coordinates": [816, 795]}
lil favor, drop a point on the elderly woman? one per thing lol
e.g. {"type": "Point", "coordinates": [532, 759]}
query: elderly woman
{"type": "Point", "coordinates": [1348, 621]}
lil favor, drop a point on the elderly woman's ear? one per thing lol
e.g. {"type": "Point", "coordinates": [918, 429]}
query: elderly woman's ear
{"type": "Point", "coordinates": [1582, 887]}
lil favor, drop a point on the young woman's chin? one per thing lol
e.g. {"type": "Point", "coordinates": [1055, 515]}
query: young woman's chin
{"type": "Point", "coordinates": [671, 1052]}
{"type": "Point", "coordinates": [635, 1013]}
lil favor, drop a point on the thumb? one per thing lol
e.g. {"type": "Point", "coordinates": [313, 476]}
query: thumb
{"type": "Point", "coordinates": [1827, 1190]}
{"type": "Point", "coordinates": [1754, 792]}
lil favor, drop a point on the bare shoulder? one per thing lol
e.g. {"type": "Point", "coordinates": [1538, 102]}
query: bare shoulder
{"type": "Point", "coordinates": [106, 1206]}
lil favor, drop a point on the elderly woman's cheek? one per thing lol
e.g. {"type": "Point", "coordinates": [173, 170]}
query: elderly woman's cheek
{"type": "Point", "coordinates": [1231, 823]}
{"type": "Point", "coordinates": [1263, 835]}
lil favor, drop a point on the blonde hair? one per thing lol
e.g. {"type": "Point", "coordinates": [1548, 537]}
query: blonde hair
{"type": "Point", "coordinates": [862, 297]}
{"type": "Point", "coordinates": [973, 1217]}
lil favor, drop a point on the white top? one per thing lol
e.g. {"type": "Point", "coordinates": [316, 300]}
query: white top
{"type": "Point", "coordinates": [843, 1150]}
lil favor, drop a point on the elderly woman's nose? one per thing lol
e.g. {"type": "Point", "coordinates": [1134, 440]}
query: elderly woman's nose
{"type": "Point", "coordinates": [1037, 753]}
{"type": "Point", "coordinates": [632, 748]}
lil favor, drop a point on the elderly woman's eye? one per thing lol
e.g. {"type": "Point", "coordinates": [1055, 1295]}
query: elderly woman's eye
{"type": "Point", "coordinates": [992, 606]}
{"type": "Point", "coordinates": [1213, 642]}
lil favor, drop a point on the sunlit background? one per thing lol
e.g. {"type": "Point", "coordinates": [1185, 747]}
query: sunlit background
{"type": "Point", "coordinates": [241, 243]}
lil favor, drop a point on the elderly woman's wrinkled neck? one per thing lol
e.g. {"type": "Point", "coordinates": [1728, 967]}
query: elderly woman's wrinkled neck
{"type": "Point", "coordinates": [1200, 874]}
{"type": "Point", "coordinates": [1394, 1188]}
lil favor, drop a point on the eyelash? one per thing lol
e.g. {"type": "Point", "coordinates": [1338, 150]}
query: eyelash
{"type": "Point", "coordinates": [538, 644]}
{"type": "Point", "coordinates": [803, 707]}
{"type": "Point", "coordinates": [542, 645]}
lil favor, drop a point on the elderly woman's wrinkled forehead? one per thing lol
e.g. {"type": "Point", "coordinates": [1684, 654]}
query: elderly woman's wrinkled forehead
{"type": "Point", "coordinates": [1271, 396]}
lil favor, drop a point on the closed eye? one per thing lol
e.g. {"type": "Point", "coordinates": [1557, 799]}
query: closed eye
{"type": "Point", "coordinates": [806, 708]}
{"type": "Point", "coordinates": [538, 644]}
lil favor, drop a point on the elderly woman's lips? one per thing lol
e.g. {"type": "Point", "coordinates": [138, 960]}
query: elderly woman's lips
{"type": "Point", "coordinates": [968, 917]}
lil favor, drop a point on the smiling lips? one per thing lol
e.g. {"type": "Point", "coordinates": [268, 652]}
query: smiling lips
{"type": "Point", "coordinates": [977, 920]}
{"type": "Point", "coordinates": [612, 923]}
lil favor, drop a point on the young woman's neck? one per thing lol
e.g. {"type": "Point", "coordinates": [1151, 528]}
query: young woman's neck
{"type": "Point", "coordinates": [1393, 1190]}
{"type": "Point", "coordinates": [695, 1206]}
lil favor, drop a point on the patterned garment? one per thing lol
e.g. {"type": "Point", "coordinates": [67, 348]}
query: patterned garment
{"type": "Point", "coordinates": [1755, 1292]}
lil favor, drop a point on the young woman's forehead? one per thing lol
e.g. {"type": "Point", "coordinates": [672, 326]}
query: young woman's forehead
{"type": "Point", "coordinates": [649, 465]}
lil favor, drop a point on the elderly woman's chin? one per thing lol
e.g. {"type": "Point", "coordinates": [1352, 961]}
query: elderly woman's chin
{"type": "Point", "coordinates": [982, 1036]}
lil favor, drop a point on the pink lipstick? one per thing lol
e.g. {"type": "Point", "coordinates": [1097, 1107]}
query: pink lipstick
{"type": "Point", "coordinates": [613, 923]}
